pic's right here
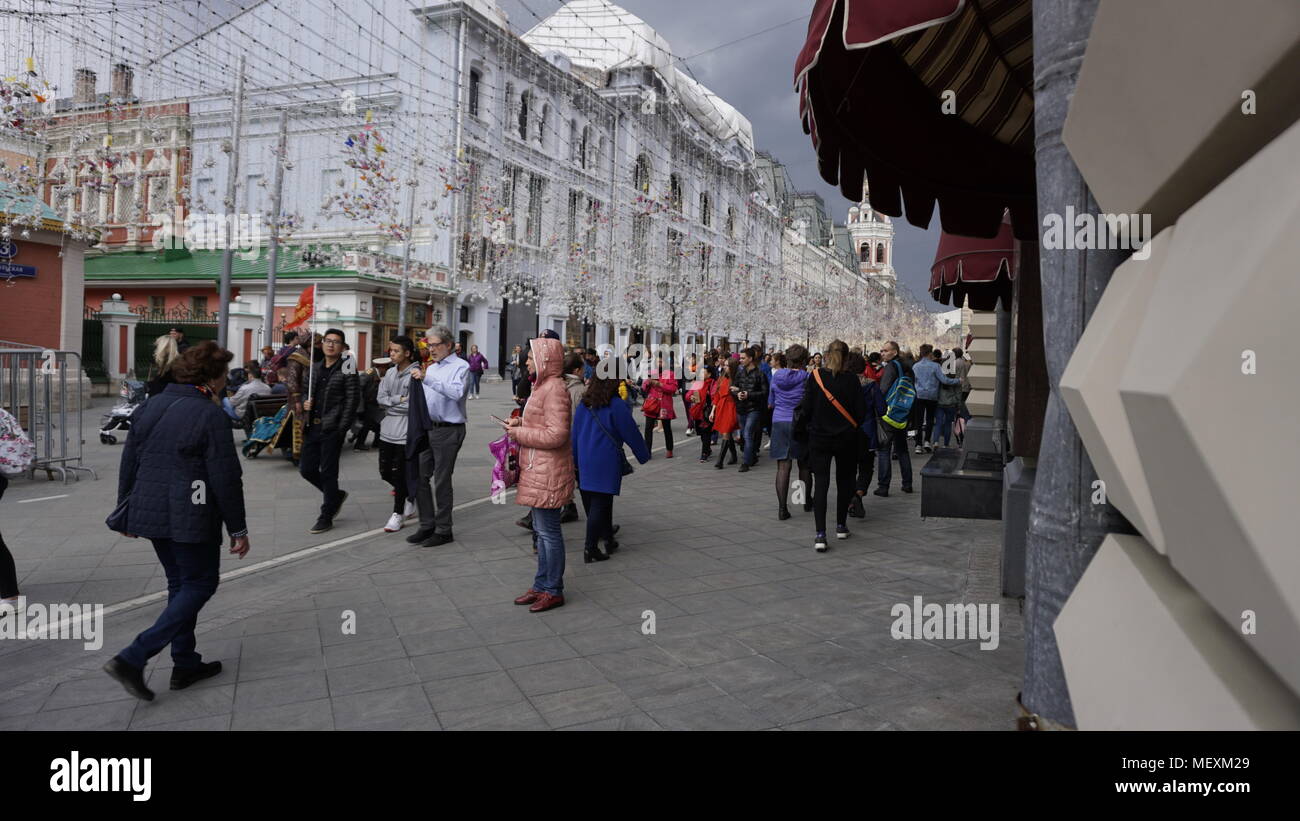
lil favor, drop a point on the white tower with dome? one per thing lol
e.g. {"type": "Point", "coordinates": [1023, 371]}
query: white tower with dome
{"type": "Point", "coordinates": [872, 235]}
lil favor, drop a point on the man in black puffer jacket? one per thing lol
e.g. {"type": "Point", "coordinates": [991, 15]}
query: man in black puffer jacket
{"type": "Point", "coordinates": [330, 412]}
{"type": "Point", "coordinates": [750, 391]}
{"type": "Point", "coordinates": [181, 482]}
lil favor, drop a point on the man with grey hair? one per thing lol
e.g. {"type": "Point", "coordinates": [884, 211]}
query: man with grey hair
{"type": "Point", "coordinates": [444, 383]}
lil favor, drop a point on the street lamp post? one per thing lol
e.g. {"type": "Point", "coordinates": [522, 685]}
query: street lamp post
{"type": "Point", "coordinates": [662, 288]}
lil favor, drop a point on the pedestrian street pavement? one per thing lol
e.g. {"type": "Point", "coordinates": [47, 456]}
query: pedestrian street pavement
{"type": "Point", "coordinates": [712, 615]}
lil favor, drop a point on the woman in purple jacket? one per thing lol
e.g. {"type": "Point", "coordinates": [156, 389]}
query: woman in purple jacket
{"type": "Point", "coordinates": [786, 392]}
{"type": "Point", "coordinates": [477, 364]}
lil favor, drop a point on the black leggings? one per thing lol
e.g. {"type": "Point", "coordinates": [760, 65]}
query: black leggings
{"type": "Point", "coordinates": [846, 470]}
{"type": "Point", "coordinates": [8, 571]}
{"type": "Point", "coordinates": [650, 423]}
{"type": "Point", "coordinates": [599, 508]}
{"type": "Point", "coordinates": [392, 469]}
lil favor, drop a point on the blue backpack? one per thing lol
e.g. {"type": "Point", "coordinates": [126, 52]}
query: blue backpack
{"type": "Point", "coordinates": [898, 402]}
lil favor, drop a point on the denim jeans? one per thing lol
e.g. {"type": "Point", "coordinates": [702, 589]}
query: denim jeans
{"type": "Point", "coordinates": [475, 378]}
{"type": "Point", "coordinates": [550, 550]}
{"type": "Point", "coordinates": [751, 428]}
{"type": "Point", "coordinates": [895, 441]}
{"type": "Point", "coordinates": [192, 572]}
{"type": "Point", "coordinates": [943, 423]}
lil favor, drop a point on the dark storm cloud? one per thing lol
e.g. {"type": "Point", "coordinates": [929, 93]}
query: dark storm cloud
{"type": "Point", "coordinates": [757, 77]}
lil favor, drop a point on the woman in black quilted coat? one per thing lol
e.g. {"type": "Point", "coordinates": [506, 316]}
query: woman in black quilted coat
{"type": "Point", "coordinates": [180, 479]}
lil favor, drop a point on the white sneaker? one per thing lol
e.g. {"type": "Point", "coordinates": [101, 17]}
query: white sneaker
{"type": "Point", "coordinates": [920, 449]}
{"type": "Point", "coordinates": [394, 523]}
{"type": "Point", "coordinates": [410, 511]}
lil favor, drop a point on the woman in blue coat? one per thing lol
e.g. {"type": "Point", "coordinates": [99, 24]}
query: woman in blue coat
{"type": "Point", "coordinates": [180, 480]}
{"type": "Point", "coordinates": [602, 424]}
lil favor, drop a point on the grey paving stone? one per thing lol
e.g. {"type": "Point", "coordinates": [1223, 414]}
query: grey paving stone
{"type": "Point", "coordinates": [373, 675]}
{"type": "Point", "coordinates": [850, 720]}
{"type": "Point", "coordinates": [468, 661]}
{"type": "Point", "coordinates": [283, 642]}
{"type": "Point", "coordinates": [633, 722]}
{"type": "Point", "coordinates": [306, 715]}
{"type": "Point", "coordinates": [746, 672]}
{"type": "Point", "coordinates": [96, 689]}
{"type": "Point", "coordinates": [517, 716]}
{"type": "Point", "coordinates": [723, 713]}
{"type": "Point", "coordinates": [554, 676]}
{"type": "Point", "coordinates": [440, 641]}
{"type": "Point", "coordinates": [585, 704]}
{"type": "Point", "coordinates": [195, 702]}
{"type": "Point", "coordinates": [638, 662]}
{"type": "Point", "coordinates": [464, 693]}
{"type": "Point", "coordinates": [346, 654]}
{"type": "Point", "coordinates": [272, 692]}
{"type": "Point", "coordinates": [262, 666]}
{"type": "Point", "coordinates": [670, 689]}
{"type": "Point", "coordinates": [363, 710]}
{"type": "Point", "coordinates": [792, 701]}
{"type": "Point", "coordinates": [532, 651]}
{"type": "Point", "coordinates": [114, 715]}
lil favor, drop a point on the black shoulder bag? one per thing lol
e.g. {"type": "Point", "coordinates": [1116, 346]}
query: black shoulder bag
{"type": "Point", "coordinates": [626, 467]}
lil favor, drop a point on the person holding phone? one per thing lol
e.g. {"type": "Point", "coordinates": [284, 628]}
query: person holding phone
{"type": "Point", "coordinates": [444, 385]}
{"type": "Point", "coordinates": [180, 481]}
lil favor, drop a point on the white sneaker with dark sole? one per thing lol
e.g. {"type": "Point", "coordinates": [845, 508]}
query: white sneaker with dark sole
{"type": "Point", "coordinates": [394, 523]}
{"type": "Point", "coordinates": [820, 544]}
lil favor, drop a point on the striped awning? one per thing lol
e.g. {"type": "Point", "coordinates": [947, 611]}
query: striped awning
{"type": "Point", "coordinates": [932, 100]}
{"type": "Point", "coordinates": [975, 267]}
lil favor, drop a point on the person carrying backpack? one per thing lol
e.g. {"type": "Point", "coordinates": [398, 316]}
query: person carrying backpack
{"type": "Point", "coordinates": [897, 386]}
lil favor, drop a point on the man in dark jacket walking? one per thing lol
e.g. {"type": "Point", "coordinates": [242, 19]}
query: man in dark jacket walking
{"type": "Point", "coordinates": [330, 412]}
{"type": "Point", "coordinates": [179, 482]}
{"type": "Point", "coordinates": [751, 404]}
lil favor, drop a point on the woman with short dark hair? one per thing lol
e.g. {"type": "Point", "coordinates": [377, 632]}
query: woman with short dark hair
{"type": "Point", "coordinates": [179, 482]}
{"type": "Point", "coordinates": [787, 392]}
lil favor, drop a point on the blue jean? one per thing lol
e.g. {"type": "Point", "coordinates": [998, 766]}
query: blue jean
{"type": "Point", "coordinates": [895, 440]}
{"type": "Point", "coordinates": [751, 429]}
{"type": "Point", "coordinates": [943, 420]}
{"type": "Point", "coordinates": [550, 550]}
{"type": "Point", "coordinates": [475, 378]}
{"type": "Point", "coordinates": [192, 573]}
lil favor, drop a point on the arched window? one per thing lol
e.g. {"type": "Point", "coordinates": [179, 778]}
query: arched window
{"type": "Point", "coordinates": [525, 100]}
{"type": "Point", "coordinates": [706, 209]}
{"type": "Point", "coordinates": [641, 174]}
{"type": "Point", "coordinates": [543, 123]}
{"type": "Point", "coordinates": [586, 147]}
{"type": "Point", "coordinates": [880, 254]}
{"type": "Point", "coordinates": [475, 81]}
{"type": "Point", "coordinates": [675, 192]}
{"type": "Point", "coordinates": [864, 253]}
{"type": "Point", "coordinates": [731, 221]}
{"type": "Point", "coordinates": [573, 140]}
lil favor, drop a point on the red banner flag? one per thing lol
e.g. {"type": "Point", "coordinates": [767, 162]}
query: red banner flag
{"type": "Point", "coordinates": [306, 307]}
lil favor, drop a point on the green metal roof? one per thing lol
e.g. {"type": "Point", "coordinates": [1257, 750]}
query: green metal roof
{"type": "Point", "coordinates": [183, 264]}
{"type": "Point", "coordinates": [11, 203]}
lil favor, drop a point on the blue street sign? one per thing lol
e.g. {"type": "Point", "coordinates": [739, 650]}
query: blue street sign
{"type": "Point", "coordinates": [8, 269]}
{"type": "Point", "coordinates": [8, 249]}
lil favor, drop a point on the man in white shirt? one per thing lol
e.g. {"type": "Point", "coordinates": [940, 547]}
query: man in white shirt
{"type": "Point", "coordinates": [444, 382]}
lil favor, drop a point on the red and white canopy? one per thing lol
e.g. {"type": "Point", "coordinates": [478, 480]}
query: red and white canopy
{"type": "Point", "coordinates": [932, 100]}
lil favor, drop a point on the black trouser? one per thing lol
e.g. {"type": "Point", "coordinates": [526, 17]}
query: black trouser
{"type": "Point", "coordinates": [319, 464]}
{"type": "Point", "coordinates": [844, 452]}
{"type": "Point", "coordinates": [392, 469]}
{"type": "Point", "coordinates": [923, 414]}
{"type": "Point", "coordinates": [8, 570]}
{"type": "Point", "coordinates": [599, 508]}
{"type": "Point", "coordinates": [866, 463]}
{"type": "Point", "coordinates": [364, 429]}
{"type": "Point", "coordinates": [706, 441]}
{"type": "Point", "coordinates": [650, 432]}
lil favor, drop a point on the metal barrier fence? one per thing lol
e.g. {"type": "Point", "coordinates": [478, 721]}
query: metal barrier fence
{"type": "Point", "coordinates": [34, 388]}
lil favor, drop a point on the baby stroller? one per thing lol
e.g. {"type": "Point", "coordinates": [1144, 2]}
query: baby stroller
{"type": "Point", "coordinates": [119, 418]}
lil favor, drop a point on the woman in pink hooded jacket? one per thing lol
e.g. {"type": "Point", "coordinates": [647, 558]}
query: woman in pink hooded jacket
{"type": "Point", "coordinates": [545, 469]}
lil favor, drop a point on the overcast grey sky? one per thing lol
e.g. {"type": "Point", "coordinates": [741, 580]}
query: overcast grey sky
{"type": "Point", "coordinates": [757, 77]}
